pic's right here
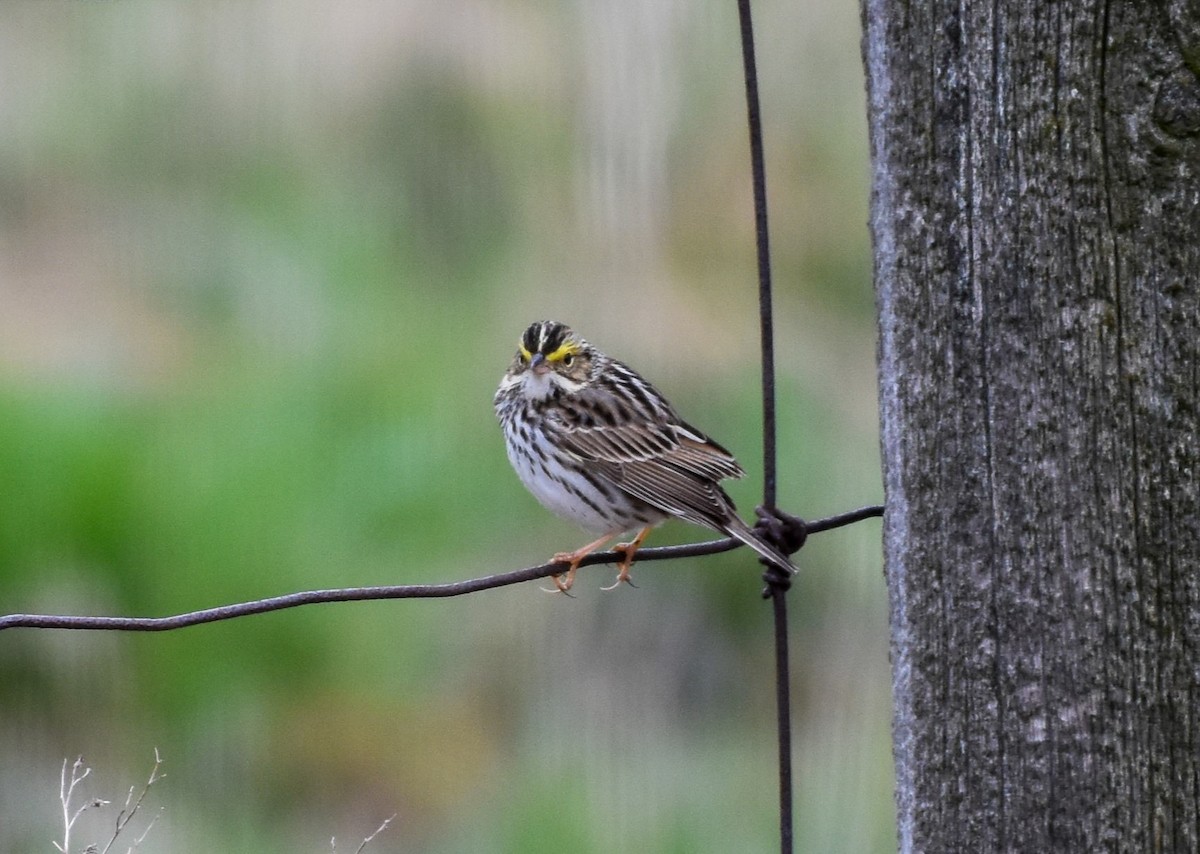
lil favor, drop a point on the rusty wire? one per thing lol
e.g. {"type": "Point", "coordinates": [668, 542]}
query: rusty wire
{"type": "Point", "coordinates": [399, 591]}
{"type": "Point", "coordinates": [777, 581]}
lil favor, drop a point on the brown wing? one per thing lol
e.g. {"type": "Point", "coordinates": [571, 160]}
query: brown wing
{"type": "Point", "coordinates": [671, 466]}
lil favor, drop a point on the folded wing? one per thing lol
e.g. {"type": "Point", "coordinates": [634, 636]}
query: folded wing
{"type": "Point", "coordinates": [669, 465]}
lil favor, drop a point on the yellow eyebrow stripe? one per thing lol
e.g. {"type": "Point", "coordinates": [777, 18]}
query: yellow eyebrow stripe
{"type": "Point", "coordinates": [564, 350]}
{"type": "Point", "coordinates": [525, 354]}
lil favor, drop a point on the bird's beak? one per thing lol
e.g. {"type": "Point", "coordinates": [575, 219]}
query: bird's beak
{"type": "Point", "coordinates": [538, 364]}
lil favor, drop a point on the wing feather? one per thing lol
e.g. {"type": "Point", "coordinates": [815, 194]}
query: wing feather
{"type": "Point", "coordinates": [681, 493]}
{"type": "Point", "coordinates": [666, 463]}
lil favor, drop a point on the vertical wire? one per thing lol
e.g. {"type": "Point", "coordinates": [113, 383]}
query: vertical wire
{"type": "Point", "coordinates": [762, 244]}
{"type": "Point", "coordinates": [783, 712]}
{"type": "Point", "coordinates": [778, 591]}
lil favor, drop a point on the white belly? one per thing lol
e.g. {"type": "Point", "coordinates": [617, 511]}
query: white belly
{"type": "Point", "coordinates": [568, 494]}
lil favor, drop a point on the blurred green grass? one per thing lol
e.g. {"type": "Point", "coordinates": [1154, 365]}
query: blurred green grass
{"type": "Point", "coordinates": [262, 265]}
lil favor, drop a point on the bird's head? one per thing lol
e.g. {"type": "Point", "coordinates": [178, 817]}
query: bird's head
{"type": "Point", "coordinates": [550, 355]}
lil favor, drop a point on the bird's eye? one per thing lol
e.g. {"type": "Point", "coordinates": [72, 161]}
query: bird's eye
{"type": "Point", "coordinates": [568, 359]}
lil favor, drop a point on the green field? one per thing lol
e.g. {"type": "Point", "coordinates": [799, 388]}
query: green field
{"type": "Point", "coordinates": [262, 266]}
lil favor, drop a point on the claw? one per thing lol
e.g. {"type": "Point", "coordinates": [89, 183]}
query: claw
{"type": "Point", "coordinates": [559, 586]}
{"type": "Point", "coordinates": [572, 560]}
{"type": "Point", "coordinates": [628, 550]}
{"type": "Point", "coordinates": [621, 577]}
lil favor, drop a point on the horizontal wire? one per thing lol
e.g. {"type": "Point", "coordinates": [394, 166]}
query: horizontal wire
{"type": "Point", "coordinates": [400, 591]}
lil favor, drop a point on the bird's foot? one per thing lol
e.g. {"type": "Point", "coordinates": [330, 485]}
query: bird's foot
{"type": "Point", "coordinates": [628, 550]}
{"type": "Point", "coordinates": [564, 581]}
{"type": "Point", "coordinates": [622, 577]}
{"type": "Point", "coordinates": [572, 559]}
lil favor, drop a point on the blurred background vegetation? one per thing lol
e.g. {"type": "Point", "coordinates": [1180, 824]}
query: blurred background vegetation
{"type": "Point", "coordinates": [262, 265]}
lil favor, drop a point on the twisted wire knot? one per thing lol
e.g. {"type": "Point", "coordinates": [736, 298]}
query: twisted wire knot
{"type": "Point", "coordinates": [787, 533]}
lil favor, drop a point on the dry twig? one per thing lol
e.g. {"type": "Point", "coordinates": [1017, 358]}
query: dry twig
{"type": "Point", "coordinates": [66, 792]}
{"type": "Point", "coordinates": [131, 807]}
{"type": "Point", "coordinates": [363, 845]}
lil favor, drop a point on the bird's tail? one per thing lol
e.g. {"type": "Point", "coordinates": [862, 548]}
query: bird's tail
{"type": "Point", "coordinates": [740, 530]}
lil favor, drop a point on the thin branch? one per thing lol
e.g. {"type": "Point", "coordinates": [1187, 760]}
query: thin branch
{"type": "Point", "coordinates": [149, 826]}
{"type": "Point", "coordinates": [355, 594]}
{"type": "Point", "coordinates": [363, 847]}
{"type": "Point", "coordinates": [131, 806]}
{"type": "Point", "coordinates": [66, 791]}
{"type": "Point", "coordinates": [367, 841]}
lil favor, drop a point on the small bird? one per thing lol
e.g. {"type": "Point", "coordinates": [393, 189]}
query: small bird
{"type": "Point", "coordinates": [598, 445]}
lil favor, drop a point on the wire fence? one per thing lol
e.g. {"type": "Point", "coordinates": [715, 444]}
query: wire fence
{"type": "Point", "coordinates": [788, 533]}
{"type": "Point", "coordinates": [409, 591]}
